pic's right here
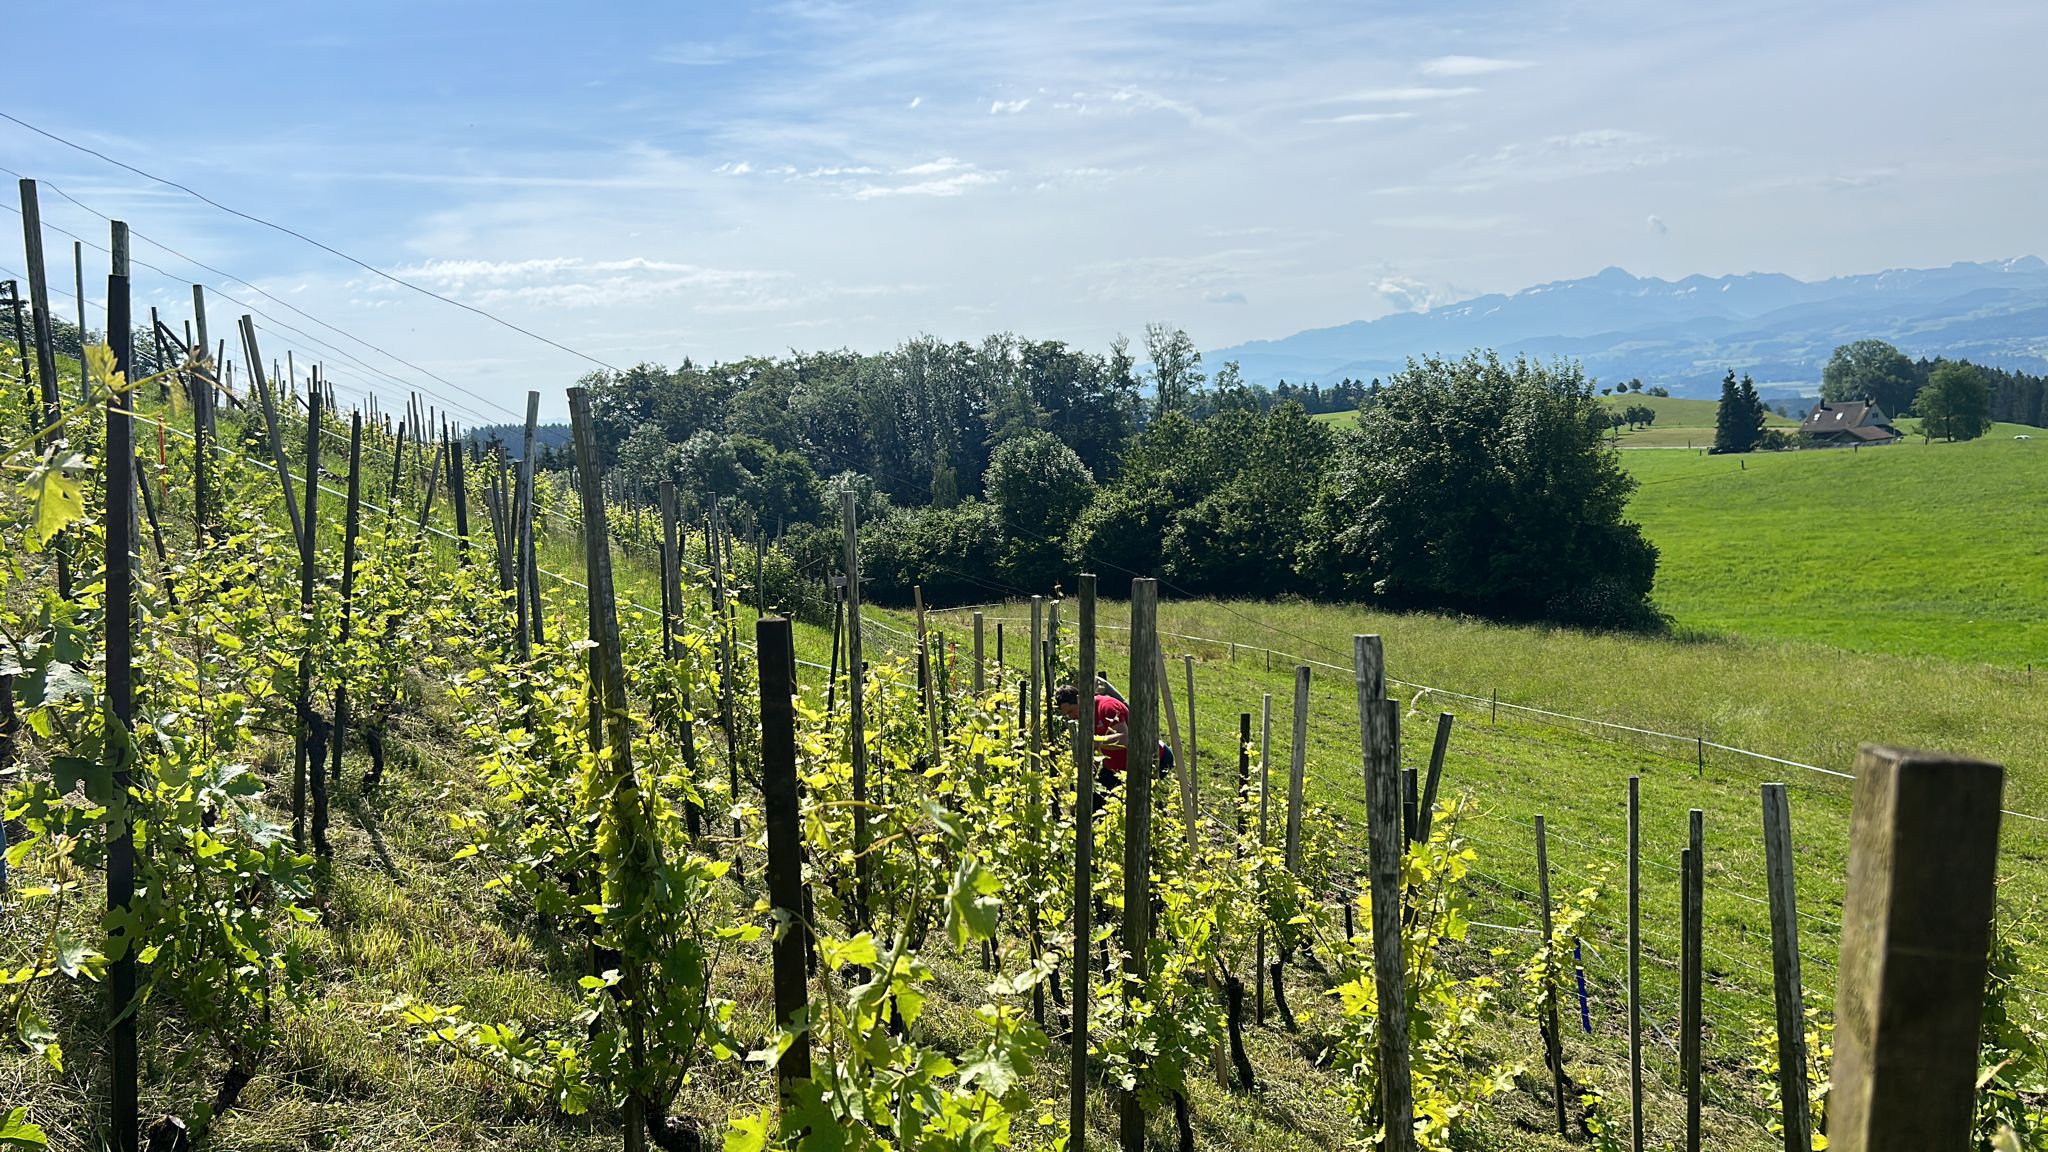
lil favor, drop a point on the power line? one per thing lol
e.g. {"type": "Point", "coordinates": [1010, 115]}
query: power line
{"type": "Point", "coordinates": [330, 250]}
{"type": "Point", "coordinates": [281, 303]}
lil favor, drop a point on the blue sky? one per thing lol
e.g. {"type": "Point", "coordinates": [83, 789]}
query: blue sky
{"type": "Point", "coordinates": [645, 182]}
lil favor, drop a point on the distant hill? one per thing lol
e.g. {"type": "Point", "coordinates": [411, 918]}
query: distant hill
{"type": "Point", "coordinates": [1685, 334]}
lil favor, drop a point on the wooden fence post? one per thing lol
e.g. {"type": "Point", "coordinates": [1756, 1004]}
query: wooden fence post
{"type": "Point", "coordinates": [1297, 769]}
{"type": "Point", "coordinates": [1917, 915]}
{"type": "Point", "coordinates": [1084, 853]}
{"type": "Point", "coordinates": [1265, 807]}
{"type": "Point", "coordinates": [980, 675]}
{"type": "Point", "coordinates": [1141, 762]}
{"type": "Point", "coordinates": [119, 608]}
{"type": "Point", "coordinates": [776, 646]}
{"type": "Point", "coordinates": [856, 723]}
{"type": "Point", "coordinates": [1553, 1039]}
{"type": "Point", "coordinates": [614, 735]}
{"type": "Point", "coordinates": [1379, 732]}
{"type": "Point", "coordinates": [1692, 971]}
{"type": "Point", "coordinates": [1244, 771]}
{"type": "Point", "coordinates": [307, 773]}
{"type": "Point", "coordinates": [1436, 774]}
{"type": "Point", "coordinates": [1787, 991]}
{"type": "Point", "coordinates": [1635, 964]}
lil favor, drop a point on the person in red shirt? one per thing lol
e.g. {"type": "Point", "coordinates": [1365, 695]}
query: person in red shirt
{"type": "Point", "coordinates": [1112, 733]}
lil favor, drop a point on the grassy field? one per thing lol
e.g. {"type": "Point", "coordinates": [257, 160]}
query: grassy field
{"type": "Point", "coordinates": [1917, 549]}
{"type": "Point", "coordinates": [1681, 423]}
{"type": "Point", "coordinates": [1797, 701]}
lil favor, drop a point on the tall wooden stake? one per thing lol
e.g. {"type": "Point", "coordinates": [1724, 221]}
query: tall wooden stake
{"type": "Point", "coordinates": [1553, 1040]}
{"type": "Point", "coordinates": [980, 677]}
{"type": "Point", "coordinates": [1141, 763]}
{"type": "Point", "coordinates": [1916, 937]}
{"type": "Point", "coordinates": [1084, 855]}
{"type": "Point", "coordinates": [1297, 770]}
{"type": "Point", "coordinates": [616, 738]}
{"type": "Point", "coordinates": [1426, 809]}
{"type": "Point", "coordinates": [1692, 975]}
{"type": "Point", "coordinates": [351, 526]}
{"type": "Point", "coordinates": [275, 433]}
{"type": "Point", "coordinates": [1265, 808]}
{"type": "Point", "coordinates": [46, 351]}
{"type": "Point", "coordinates": [120, 618]}
{"type": "Point", "coordinates": [1635, 964]}
{"type": "Point", "coordinates": [1788, 993]}
{"type": "Point", "coordinates": [1379, 729]}
{"type": "Point", "coordinates": [307, 771]}
{"type": "Point", "coordinates": [856, 724]}
{"type": "Point", "coordinates": [776, 646]}
{"type": "Point", "coordinates": [1034, 808]}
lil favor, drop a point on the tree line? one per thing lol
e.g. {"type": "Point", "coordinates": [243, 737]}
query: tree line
{"type": "Point", "coordinates": [996, 468]}
{"type": "Point", "coordinates": [1962, 398]}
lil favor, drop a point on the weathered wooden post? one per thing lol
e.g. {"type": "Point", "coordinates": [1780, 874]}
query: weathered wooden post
{"type": "Point", "coordinates": [1265, 807]}
{"type": "Point", "coordinates": [1034, 811]}
{"type": "Point", "coordinates": [611, 733]}
{"type": "Point", "coordinates": [1297, 769]}
{"type": "Point", "coordinates": [202, 423]}
{"type": "Point", "coordinates": [1244, 770]}
{"type": "Point", "coordinates": [307, 772]}
{"type": "Point", "coordinates": [1553, 1040]}
{"type": "Point", "coordinates": [1692, 971]}
{"type": "Point", "coordinates": [1084, 853]}
{"type": "Point", "coordinates": [1379, 731]}
{"type": "Point", "coordinates": [1635, 964]}
{"type": "Point", "coordinates": [352, 523]}
{"type": "Point", "coordinates": [672, 604]}
{"type": "Point", "coordinates": [1194, 750]}
{"type": "Point", "coordinates": [1788, 993]}
{"type": "Point", "coordinates": [1427, 805]}
{"type": "Point", "coordinates": [275, 434]}
{"type": "Point", "coordinates": [856, 724]}
{"type": "Point", "coordinates": [120, 617]}
{"type": "Point", "coordinates": [979, 673]}
{"type": "Point", "coordinates": [777, 648]}
{"type": "Point", "coordinates": [1141, 762]}
{"type": "Point", "coordinates": [1916, 936]}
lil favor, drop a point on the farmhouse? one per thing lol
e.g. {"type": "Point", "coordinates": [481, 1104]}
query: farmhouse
{"type": "Point", "coordinates": [1844, 425]}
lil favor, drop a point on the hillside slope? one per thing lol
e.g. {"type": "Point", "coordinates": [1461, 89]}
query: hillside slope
{"type": "Point", "coordinates": [1938, 549]}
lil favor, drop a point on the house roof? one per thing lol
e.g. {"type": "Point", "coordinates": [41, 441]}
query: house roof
{"type": "Point", "coordinates": [1856, 414]}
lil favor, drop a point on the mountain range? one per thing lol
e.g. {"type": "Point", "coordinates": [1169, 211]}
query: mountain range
{"type": "Point", "coordinates": [1684, 334]}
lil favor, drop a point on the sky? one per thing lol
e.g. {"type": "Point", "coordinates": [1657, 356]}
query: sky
{"type": "Point", "coordinates": [645, 182]}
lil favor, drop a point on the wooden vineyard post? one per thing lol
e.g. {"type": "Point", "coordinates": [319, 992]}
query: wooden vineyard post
{"type": "Point", "coordinates": [1427, 807]}
{"type": "Point", "coordinates": [728, 661]}
{"type": "Point", "coordinates": [1084, 853]}
{"type": "Point", "coordinates": [980, 683]}
{"type": "Point", "coordinates": [1379, 731]}
{"type": "Point", "coordinates": [1692, 978]}
{"type": "Point", "coordinates": [1034, 808]}
{"type": "Point", "coordinates": [613, 737]}
{"type": "Point", "coordinates": [46, 351]}
{"type": "Point", "coordinates": [927, 683]}
{"type": "Point", "coordinates": [777, 648]}
{"type": "Point", "coordinates": [672, 607]}
{"type": "Point", "coordinates": [306, 773]}
{"type": "Point", "coordinates": [1265, 807]}
{"type": "Point", "coordinates": [1788, 994]}
{"type": "Point", "coordinates": [1553, 1040]}
{"type": "Point", "coordinates": [276, 435]}
{"type": "Point", "coordinates": [1141, 762]}
{"type": "Point", "coordinates": [458, 483]}
{"type": "Point", "coordinates": [838, 586]}
{"type": "Point", "coordinates": [527, 559]}
{"type": "Point", "coordinates": [1635, 964]}
{"type": "Point", "coordinates": [351, 526]}
{"type": "Point", "coordinates": [202, 423]}
{"type": "Point", "coordinates": [1297, 769]}
{"type": "Point", "coordinates": [120, 618]}
{"type": "Point", "coordinates": [1182, 776]}
{"type": "Point", "coordinates": [999, 651]}
{"type": "Point", "coordinates": [1194, 752]}
{"type": "Point", "coordinates": [1917, 914]}
{"type": "Point", "coordinates": [1244, 771]}
{"type": "Point", "coordinates": [856, 724]}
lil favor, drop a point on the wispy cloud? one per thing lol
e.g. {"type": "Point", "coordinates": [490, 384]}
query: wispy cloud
{"type": "Point", "coordinates": [1470, 66]}
{"type": "Point", "coordinates": [1011, 107]}
{"type": "Point", "coordinates": [1404, 95]}
{"type": "Point", "coordinates": [1360, 118]}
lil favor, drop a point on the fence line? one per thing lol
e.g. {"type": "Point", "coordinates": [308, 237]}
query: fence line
{"type": "Point", "coordinates": [1495, 701]}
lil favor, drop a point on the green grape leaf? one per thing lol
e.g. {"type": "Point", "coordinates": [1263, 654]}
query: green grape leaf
{"type": "Point", "coordinates": [17, 1132]}
{"type": "Point", "coordinates": [972, 909]}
